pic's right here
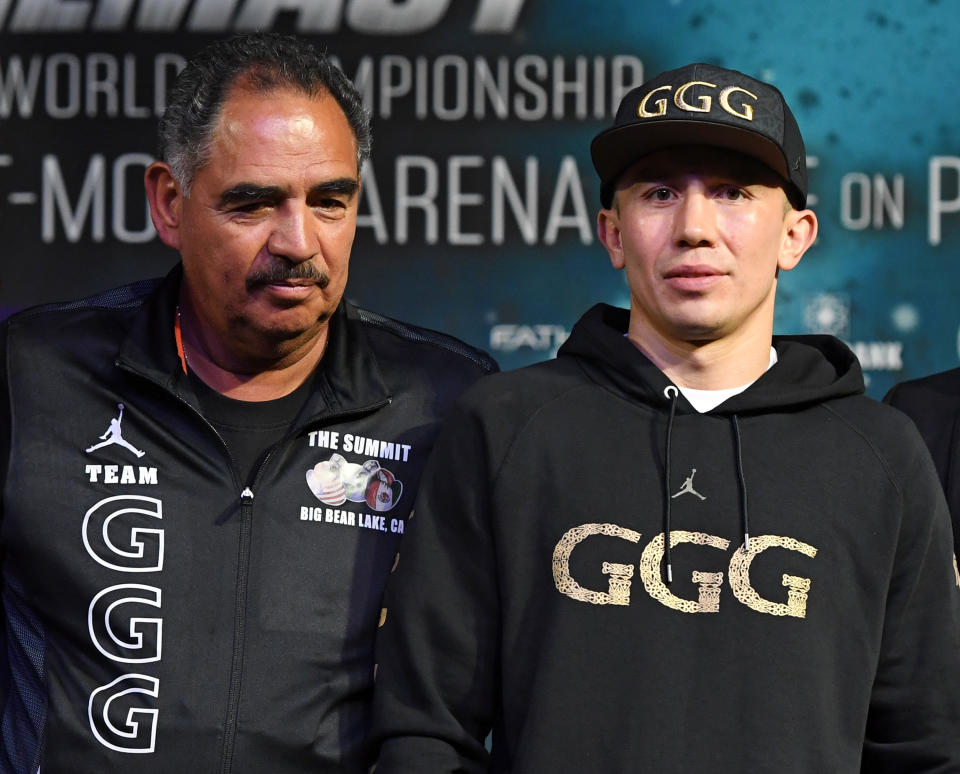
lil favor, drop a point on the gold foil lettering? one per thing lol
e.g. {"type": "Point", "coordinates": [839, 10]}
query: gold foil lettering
{"type": "Point", "coordinates": [796, 605]}
{"type": "Point", "coordinates": [705, 101]}
{"type": "Point", "coordinates": [797, 589]}
{"type": "Point", "coordinates": [619, 585]}
{"type": "Point", "coordinates": [620, 575]}
{"type": "Point", "coordinates": [710, 583]}
{"type": "Point", "coordinates": [650, 562]}
{"type": "Point", "coordinates": [746, 108]}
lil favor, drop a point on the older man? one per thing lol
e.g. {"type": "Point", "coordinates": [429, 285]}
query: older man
{"type": "Point", "coordinates": [685, 545]}
{"type": "Point", "coordinates": [196, 588]}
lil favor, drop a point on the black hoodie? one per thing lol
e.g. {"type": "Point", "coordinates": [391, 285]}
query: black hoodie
{"type": "Point", "coordinates": [531, 592]}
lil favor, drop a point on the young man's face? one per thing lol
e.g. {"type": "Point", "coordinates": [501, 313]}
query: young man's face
{"type": "Point", "coordinates": [266, 231]}
{"type": "Point", "coordinates": [701, 233]}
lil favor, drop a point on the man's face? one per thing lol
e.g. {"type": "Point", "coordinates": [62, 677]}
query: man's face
{"type": "Point", "coordinates": [701, 233]}
{"type": "Point", "coordinates": [266, 231]}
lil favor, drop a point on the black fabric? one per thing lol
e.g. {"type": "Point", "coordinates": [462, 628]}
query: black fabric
{"type": "Point", "coordinates": [933, 403]}
{"type": "Point", "coordinates": [250, 428]}
{"type": "Point", "coordinates": [528, 597]}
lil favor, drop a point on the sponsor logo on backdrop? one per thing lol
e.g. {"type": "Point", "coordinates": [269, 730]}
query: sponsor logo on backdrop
{"type": "Point", "coordinates": [832, 314]}
{"type": "Point", "coordinates": [828, 313]}
{"type": "Point", "coordinates": [542, 337]}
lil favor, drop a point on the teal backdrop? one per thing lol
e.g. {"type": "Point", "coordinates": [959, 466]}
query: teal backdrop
{"type": "Point", "coordinates": [478, 209]}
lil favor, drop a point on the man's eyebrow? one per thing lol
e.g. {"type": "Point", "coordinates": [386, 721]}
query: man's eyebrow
{"type": "Point", "coordinates": [250, 192]}
{"type": "Point", "coordinates": [346, 186]}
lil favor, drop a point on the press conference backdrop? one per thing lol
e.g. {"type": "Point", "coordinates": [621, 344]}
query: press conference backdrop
{"type": "Point", "coordinates": [477, 213]}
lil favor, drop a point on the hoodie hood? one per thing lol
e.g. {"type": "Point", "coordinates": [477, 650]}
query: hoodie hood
{"type": "Point", "coordinates": [809, 369]}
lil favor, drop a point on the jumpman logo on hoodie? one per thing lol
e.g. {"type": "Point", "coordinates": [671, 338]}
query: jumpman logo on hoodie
{"type": "Point", "coordinates": [687, 487]}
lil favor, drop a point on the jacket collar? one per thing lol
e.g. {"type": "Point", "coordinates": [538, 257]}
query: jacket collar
{"type": "Point", "coordinates": [349, 377]}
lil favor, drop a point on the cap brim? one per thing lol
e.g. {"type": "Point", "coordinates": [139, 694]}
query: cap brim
{"type": "Point", "coordinates": [619, 147]}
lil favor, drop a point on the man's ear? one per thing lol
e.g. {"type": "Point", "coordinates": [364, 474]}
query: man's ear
{"type": "Point", "coordinates": [608, 232]}
{"type": "Point", "coordinates": [166, 200]}
{"type": "Point", "coordinates": [799, 232]}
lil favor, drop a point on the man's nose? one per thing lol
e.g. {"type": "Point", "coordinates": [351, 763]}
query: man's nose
{"type": "Point", "coordinates": [696, 220]}
{"type": "Point", "coordinates": [294, 236]}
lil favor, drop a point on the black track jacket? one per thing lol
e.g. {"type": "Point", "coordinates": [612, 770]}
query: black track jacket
{"type": "Point", "coordinates": [162, 615]}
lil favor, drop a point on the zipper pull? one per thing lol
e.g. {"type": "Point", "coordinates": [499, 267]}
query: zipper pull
{"type": "Point", "coordinates": [246, 496]}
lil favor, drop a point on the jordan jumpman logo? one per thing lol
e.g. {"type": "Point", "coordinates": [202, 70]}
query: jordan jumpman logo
{"type": "Point", "coordinates": [687, 487]}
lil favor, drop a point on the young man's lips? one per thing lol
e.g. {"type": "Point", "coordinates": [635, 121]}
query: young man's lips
{"type": "Point", "coordinates": [693, 278]}
{"type": "Point", "coordinates": [699, 270]}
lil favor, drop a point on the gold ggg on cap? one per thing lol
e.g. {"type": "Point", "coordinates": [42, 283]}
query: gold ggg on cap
{"type": "Point", "coordinates": [706, 102]}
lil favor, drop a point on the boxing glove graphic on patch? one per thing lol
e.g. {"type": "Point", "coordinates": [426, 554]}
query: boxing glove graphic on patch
{"type": "Point", "coordinates": [325, 480]}
{"type": "Point", "coordinates": [383, 490]}
{"type": "Point", "coordinates": [356, 477]}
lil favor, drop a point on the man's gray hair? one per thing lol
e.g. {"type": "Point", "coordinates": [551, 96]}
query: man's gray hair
{"type": "Point", "coordinates": [265, 61]}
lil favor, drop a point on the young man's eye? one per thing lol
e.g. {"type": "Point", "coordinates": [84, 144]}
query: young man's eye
{"type": "Point", "coordinates": [733, 193]}
{"type": "Point", "coordinates": [661, 194]}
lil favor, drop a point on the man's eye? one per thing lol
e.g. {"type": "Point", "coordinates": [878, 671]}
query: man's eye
{"type": "Point", "coordinates": [661, 194]}
{"type": "Point", "coordinates": [733, 193]}
{"type": "Point", "coordinates": [248, 207]}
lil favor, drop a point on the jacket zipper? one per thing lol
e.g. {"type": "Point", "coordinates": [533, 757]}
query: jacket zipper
{"type": "Point", "coordinates": [243, 554]}
{"type": "Point", "coordinates": [239, 631]}
{"type": "Point", "coordinates": [243, 571]}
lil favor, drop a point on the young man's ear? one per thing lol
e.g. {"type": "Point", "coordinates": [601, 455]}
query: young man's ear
{"type": "Point", "coordinates": [608, 232]}
{"type": "Point", "coordinates": [799, 232]}
{"type": "Point", "coordinates": [166, 199]}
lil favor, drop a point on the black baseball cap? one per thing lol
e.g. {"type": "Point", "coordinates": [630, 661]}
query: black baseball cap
{"type": "Point", "coordinates": [702, 104]}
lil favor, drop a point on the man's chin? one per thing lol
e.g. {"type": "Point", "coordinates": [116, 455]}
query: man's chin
{"type": "Point", "coordinates": [290, 326]}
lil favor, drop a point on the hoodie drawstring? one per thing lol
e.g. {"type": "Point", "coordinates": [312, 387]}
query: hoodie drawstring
{"type": "Point", "coordinates": [743, 484]}
{"type": "Point", "coordinates": [672, 394]}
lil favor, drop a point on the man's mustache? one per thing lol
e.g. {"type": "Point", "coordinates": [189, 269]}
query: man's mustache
{"type": "Point", "coordinates": [279, 273]}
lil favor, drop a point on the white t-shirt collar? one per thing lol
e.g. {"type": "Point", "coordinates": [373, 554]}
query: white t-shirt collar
{"type": "Point", "coordinates": [706, 400]}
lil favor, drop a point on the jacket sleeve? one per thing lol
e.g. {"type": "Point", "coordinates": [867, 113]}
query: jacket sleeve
{"type": "Point", "coordinates": [934, 407]}
{"type": "Point", "coordinates": [437, 648]}
{"type": "Point", "coordinates": [914, 719]}
{"type": "Point", "coordinates": [5, 430]}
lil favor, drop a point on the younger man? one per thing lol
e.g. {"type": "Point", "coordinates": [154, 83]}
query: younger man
{"type": "Point", "coordinates": [685, 544]}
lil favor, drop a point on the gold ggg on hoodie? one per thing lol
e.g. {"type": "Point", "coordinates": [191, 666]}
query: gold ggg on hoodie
{"type": "Point", "coordinates": [709, 583]}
